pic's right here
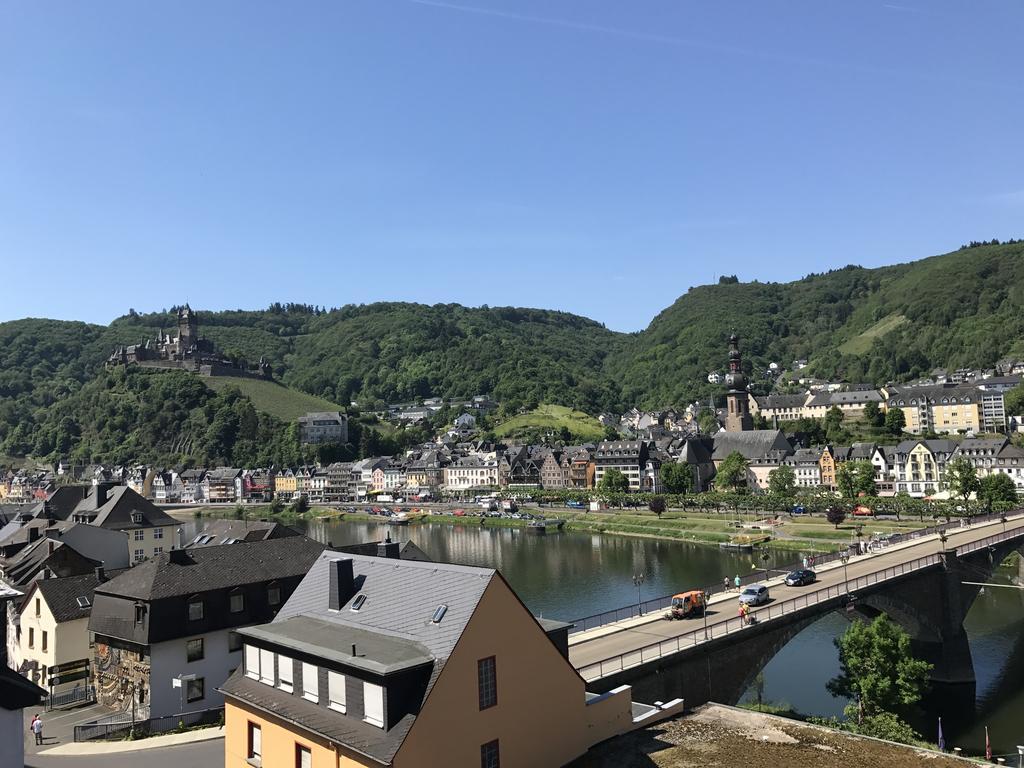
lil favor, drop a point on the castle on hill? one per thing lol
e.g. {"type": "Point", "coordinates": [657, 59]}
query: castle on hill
{"type": "Point", "coordinates": [186, 351]}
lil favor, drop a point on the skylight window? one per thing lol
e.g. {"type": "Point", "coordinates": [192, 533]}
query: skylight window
{"type": "Point", "coordinates": [358, 602]}
{"type": "Point", "coordinates": [83, 602]}
{"type": "Point", "coordinates": [439, 613]}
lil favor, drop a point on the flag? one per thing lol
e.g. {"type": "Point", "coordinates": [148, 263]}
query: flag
{"type": "Point", "coordinates": [988, 746]}
{"type": "Point", "coordinates": [942, 741]}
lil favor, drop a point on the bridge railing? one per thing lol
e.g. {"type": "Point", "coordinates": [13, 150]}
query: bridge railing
{"type": "Point", "coordinates": [771, 611]}
{"type": "Point", "coordinates": [659, 603]}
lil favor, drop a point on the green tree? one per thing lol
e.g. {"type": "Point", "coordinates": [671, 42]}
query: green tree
{"type": "Point", "coordinates": [611, 433]}
{"type": "Point", "coordinates": [732, 472]}
{"type": "Point", "coordinates": [993, 489]}
{"type": "Point", "coordinates": [614, 481]}
{"type": "Point", "coordinates": [657, 505]}
{"type": "Point", "coordinates": [301, 505]}
{"type": "Point", "coordinates": [276, 506]}
{"type": "Point", "coordinates": [708, 424]}
{"type": "Point", "coordinates": [677, 478]}
{"type": "Point", "coordinates": [782, 481]}
{"type": "Point", "coordinates": [895, 421]}
{"type": "Point", "coordinates": [835, 515]}
{"type": "Point", "coordinates": [833, 421]}
{"type": "Point", "coordinates": [877, 668]}
{"type": "Point", "coordinates": [856, 478]}
{"type": "Point", "coordinates": [1013, 401]}
{"type": "Point", "coordinates": [962, 478]}
{"type": "Point", "coordinates": [873, 414]}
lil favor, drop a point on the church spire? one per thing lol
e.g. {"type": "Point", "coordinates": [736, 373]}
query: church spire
{"type": "Point", "coordinates": [737, 418]}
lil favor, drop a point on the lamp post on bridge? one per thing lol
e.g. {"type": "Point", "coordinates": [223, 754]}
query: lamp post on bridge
{"type": "Point", "coordinates": [638, 580]}
{"type": "Point", "coordinates": [704, 613]}
{"type": "Point", "coordinates": [844, 559]}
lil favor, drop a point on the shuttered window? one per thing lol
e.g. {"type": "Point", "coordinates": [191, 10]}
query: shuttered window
{"type": "Point", "coordinates": [373, 704]}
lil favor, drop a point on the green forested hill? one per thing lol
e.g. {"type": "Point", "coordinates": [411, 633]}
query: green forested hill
{"type": "Point", "coordinates": [965, 308]}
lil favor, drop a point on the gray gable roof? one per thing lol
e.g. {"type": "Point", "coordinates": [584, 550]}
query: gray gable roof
{"type": "Point", "coordinates": [187, 572]}
{"type": "Point", "coordinates": [113, 506]}
{"type": "Point", "coordinates": [753, 444]}
{"type": "Point", "coordinates": [69, 598]}
{"type": "Point", "coordinates": [781, 401]}
{"type": "Point", "coordinates": [218, 532]}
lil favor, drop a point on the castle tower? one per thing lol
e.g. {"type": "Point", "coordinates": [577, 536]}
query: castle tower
{"type": "Point", "coordinates": [188, 329]}
{"type": "Point", "coordinates": [737, 418]}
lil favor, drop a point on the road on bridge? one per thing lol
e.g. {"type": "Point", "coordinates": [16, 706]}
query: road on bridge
{"type": "Point", "coordinates": [610, 642]}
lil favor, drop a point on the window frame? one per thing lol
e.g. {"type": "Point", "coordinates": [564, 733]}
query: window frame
{"type": "Point", "coordinates": [300, 750]}
{"type": "Point", "coordinates": [337, 682]}
{"type": "Point", "coordinates": [196, 601]}
{"type": "Point", "coordinates": [189, 684]}
{"type": "Point", "coordinates": [378, 691]}
{"type": "Point", "coordinates": [485, 755]}
{"type": "Point", "coordinates": [240, 595]}
{"type": "Point", "coordinates": [310, 692]}
{"type": "Point", "coordinates": [190, 655]}
{"type": "Point", "coordinates": [285, 682]}
{"type": "Point", "coordinates": [254, 744]}
{"type": "Point", "coordinates": [267, 665]}
{"type": "Point", "coordinates": [487, 689]}
{"type": "Point", "coordinates": [235, 643]}
{"type": "Point", "coordinates": [251, 661]}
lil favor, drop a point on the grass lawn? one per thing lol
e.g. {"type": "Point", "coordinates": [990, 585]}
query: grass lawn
{"type": "Point", "coordinates": [554, 417]}
{"type": "Point", "coordinates": [273, 398]}
{"type": "Point", "coordinates": [861, 343]}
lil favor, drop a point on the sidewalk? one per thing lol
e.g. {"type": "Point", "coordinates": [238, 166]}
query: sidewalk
{"type": "Point", "coordinates": [115, 747]}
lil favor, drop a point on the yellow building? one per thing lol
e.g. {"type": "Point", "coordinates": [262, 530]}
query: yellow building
{"type": "Point", "coordinates": [827, 468]}
{"type": "Point", "coordinates": [949, 409]}
{"type": "Point", "coordinates": [378, 662]}
{"type": "Point", "coordinates": [285, 484]}
{"type": "Point", "coordinates": [53, 628]}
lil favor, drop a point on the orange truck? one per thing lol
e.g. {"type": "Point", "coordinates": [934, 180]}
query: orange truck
{"type": "Point", "coordinates": [686, 605]}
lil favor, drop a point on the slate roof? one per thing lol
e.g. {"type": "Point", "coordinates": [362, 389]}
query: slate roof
{"type": "Point", "coordinates": [861, 452]}
{"type": "Point", "coordinates": [753, 444]}
{"type": "Point", "coordinates": [116, 509]}
{"type": "Point", "coordinates": [218, 532]}
{"type": "Point", "coordinates": [401, 597]}
{"type": "Point", "coordinates": [211, 568]}
{"type": "Point", "coordinates": [62, 595]}
{"type": "Point", "coordinates": [773, 402]}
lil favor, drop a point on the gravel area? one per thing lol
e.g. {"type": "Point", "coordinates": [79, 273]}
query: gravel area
{"type": "Point", "coordinates": [722, 736]}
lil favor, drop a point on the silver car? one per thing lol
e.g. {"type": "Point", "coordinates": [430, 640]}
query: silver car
{"type": "Point", "coordinates": [755, 594]}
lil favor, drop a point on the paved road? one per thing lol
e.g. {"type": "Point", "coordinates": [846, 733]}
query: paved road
{"type": "Point", "coordinates": [591, 647]}
{"type": "Point", "coordinates": [204, 754]}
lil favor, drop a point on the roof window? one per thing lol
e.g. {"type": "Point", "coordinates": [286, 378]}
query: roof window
{"type": "Point", "coordinates": [439, 613]}
{"type": "Point", "coordinates": [358, 602]}
{"type": "Point", "coordinates": [83, 602]}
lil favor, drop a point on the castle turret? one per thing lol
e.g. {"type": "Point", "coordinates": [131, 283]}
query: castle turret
{"type": "Point", "coordinates": [188, 328]}
{"type": "Point", "coordinates": [737, 418]}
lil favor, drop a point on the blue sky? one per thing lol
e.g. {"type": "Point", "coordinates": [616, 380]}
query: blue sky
{"type": "Point", "coordinates": [594, 156]}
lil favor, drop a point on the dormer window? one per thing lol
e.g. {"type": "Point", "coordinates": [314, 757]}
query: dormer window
{"type": "Point", "coordinates": [237, 601]}
{"type": "Point", "coordinates": [140, 613]}
{"type": "Point", "coordinates": [274, 594]}
{"type": "Point", "coordinates": [195, 609]}
{"type": "Point", "coordinates": [137, 518]}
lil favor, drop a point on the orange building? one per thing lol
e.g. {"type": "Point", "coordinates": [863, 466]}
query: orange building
{"type": "Point", "coordinates": [378, 662]}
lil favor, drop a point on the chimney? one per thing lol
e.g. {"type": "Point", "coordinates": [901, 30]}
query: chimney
{"type": "Point", "coordinates": [179, 557]}
{"type": "Point", "coordinates": [389, 548]}
{"type": "Point", "coordinates": [51, 545]}
{"type": "Point", "coordinates": [33, 533]}
{"type": "Point", "coordinates": [101, 575]}
{"type": "Point", "coordinates": [52, 533]}
{"type": "Point", "coordinates": [342, 583]}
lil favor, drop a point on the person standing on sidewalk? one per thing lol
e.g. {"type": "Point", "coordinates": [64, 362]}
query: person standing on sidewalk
{"type": "Point", "coordinates": [37, 729]}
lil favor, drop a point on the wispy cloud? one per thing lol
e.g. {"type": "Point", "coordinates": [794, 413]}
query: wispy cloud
{"type": "Point", "coordinates": [686, 42]}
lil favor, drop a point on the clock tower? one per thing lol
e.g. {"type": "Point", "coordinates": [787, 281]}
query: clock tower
{"type": "Point", "coordinates": [737, 418]}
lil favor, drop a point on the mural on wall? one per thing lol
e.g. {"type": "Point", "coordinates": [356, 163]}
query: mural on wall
{"type": "Point", "coordinates": [122, 678]}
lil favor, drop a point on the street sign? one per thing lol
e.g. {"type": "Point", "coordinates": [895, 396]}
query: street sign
{"type": "Point", "coordinates": [57, 669]}
{"type": "Point", "coordinates": [68, 677]}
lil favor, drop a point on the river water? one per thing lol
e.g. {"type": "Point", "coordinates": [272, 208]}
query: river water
{"type": "Point", "coordinates": [569, 575]}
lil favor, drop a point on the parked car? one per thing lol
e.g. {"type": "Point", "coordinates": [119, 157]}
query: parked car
{"type": "Point", "coordinates": [755, 594]}
{"type": "Point", "coordinates": [797, 510]}
{"type": "Point", "coordinates": [575, 505]}
{"type": "Point", "coordinates": [801, 577]}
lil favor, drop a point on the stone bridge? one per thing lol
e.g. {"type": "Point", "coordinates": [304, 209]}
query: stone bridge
{"type": "Point", "coordinates": [924, 586]}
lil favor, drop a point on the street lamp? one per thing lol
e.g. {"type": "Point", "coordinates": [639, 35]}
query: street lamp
{"type": "Point", "coordinates": [638, 580]}
{"type": "Point", "coordinates": [845, 558]}
{"type": "Point", "coordinates": [707, 598]}
{"type": "Point", "coordinates": [764, 559]}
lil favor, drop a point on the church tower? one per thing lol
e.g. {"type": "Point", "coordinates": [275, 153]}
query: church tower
{"type": "Point", "coordinates": [737, 418]}
{"type": "Point", "coordinates": [188, 329]}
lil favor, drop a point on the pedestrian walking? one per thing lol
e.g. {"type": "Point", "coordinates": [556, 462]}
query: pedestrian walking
{"type": "Point", "coordinates": [725, 584]}
{"type": "Point", "coordinates": [736, 581]}
{"type": "Point", "coordinates": [805, 562]}
{"type": "Point", "coordinates": [37, 729]}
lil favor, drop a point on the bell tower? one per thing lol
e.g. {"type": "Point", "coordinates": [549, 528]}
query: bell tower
{"type": "Point", "coordinates": [737, 417]}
